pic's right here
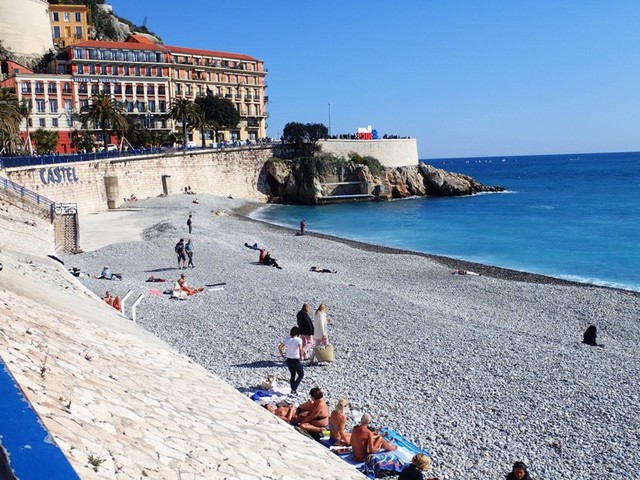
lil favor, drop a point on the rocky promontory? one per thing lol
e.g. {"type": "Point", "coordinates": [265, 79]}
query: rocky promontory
{"type": "Point", "coordinates": [312, 181]}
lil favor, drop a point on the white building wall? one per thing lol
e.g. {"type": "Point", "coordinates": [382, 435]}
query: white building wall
{"type": "Point", "coordinates": [390, 153]}
{"type": "Point", "coordinates": [25, 28]}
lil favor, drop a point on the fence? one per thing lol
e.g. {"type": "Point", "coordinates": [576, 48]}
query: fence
{"type": "Point", "coordinates": [64, 216]}
{"type": "Point", "coordinates": [29, 161]}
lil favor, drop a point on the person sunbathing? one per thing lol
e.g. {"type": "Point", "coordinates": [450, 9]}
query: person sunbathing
{"type": "Point", "coordinates": [365, 442]}
{"type": "Point", "coordinates": [107, 274]}
{"type": "Point", "coordinates": [270, 261]}
{"type": "Point", "coordinates": [112, 301]}
{"type": "Point", "coordinates": [182, 283]}
{"type": "Point", "coordinates": [313, 415]}
{"type": "Point", "coordinates": [283, 411]}
{"type": "Point", "coordinates": [322, 270]}
{"type": "Point", "coordinates": [338, 423]}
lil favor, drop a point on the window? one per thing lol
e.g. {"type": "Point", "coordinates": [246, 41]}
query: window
{"type": "Point", "coordinates": [52, 87]}
{"type": "Point", "coordinates": [54, 122]}
{"type": "Point", "coordinates": [163, 106]}
{"type": "Point", "coordinates": [40, 106]}
{"type": "Point", "coordinates": [69, 122]}
{"type": "Point", "coordinates": [158, 71]}
{"type": "Point", "coordinates": [117, 88]}
{"type": "Point", "coordinates": [39, 87]}
{"type": "Point", "coordinates": [139, 90]}
{"type": "Point", "coordinates": [114, 70]}
{"type": "Point", "coordinates": [26, 87]}
{"type": "Point", "coordinates": [78, 32]}
{"type": "Point", "coordinates": [43, 123]}
{"type": "Point", "coordinates": [126, 69]}
{"type": "Point", "coordinates": [152, 106]}
{"type": "Point", "coordinates": [78, 53]}
{"type": "Point", "coordinates": [56, 32]}
{"type": "Point", "coordinates": [53, 106]}
{"type": "Point", "coordinates": [66, 88]}
{"type": "Point", "coordinates": [137, 70]}
{"type": "Point", "coordinates": [178, 89]}
{"type": "Point", "coordinates": [95, 88]}
{"type": "Point", "coordinates": [128, 89]}
{"type": "Point", "coordinates": [92, 69]}
{"type": "Point", "coordinates": [148, 71]}
{"type": "Point", "coordinates": [188, 89]}
{"type": "Point", "coordinates": [150, 89]}
{"type": "Point", "coordinates": [82, 87]}
{"type": "Point", "coordinates": [84, 103]}
{"type": "Point", "coordinates": [67, 105]}
{"type": "Point", "coordinates": [31, 122]}
{"type": "Point", "coordinates": [80, 68]}
{"type": "Point", "coordinates": [161, 90]}
{"type": "Point", "coordinates": [106, 88]}
{"type": "Point", "coordinates": [140, 106]}
{"type": "Point", "coordinates": [55, 16]}
{"type": "Point", "coordinates": [78, 17]}
{"type": "Point", "coordinates": [99, 69]}
{"type": "Point", "coordinates": [128, 106]}
{"type": "Point", "coordinates": [67, 16]}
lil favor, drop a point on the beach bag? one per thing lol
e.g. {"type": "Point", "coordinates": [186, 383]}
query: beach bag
{"type": "Point", "coordinates": [324, 353]}
{"type": "Point", "coordinates": [268, 382]}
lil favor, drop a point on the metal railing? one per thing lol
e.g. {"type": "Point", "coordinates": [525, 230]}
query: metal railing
{"type": "Point", "coordinates": [28, 161]}
{"type": "Point", "coordinates": [24, 192]}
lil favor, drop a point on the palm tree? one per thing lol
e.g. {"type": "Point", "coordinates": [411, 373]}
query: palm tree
{"type": "Point", "coordinates": [25, 112]}
{"type": "Point", "coordinates": [107, 112]}
{"type": "Point", "coordinates": [200, 122]}
{"type": "Point", "coordinates": [184, 111]}
{"type": "Point", "coordinates": [10, 117]}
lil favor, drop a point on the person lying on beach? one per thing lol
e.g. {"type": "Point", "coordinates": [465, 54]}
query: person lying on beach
{"type": "Point", "coordinates": [466, 272]}
{"type": "Point", "coordinates": [112, 301]}
{"type": "Point", "coordinates": [322, 270]}
{"type": "Point", "coordinates": [365, 442]}
{"type": "Point", "coordinates": [338, 423]}
{"type": "Point", "coordinates": [182, 284]}
{"type": "Point", "coordinates": [155, 279]}
{"type": "Point", "coordinates": [283, 411]}
{"type": "Point", "coordinates": [107, 274]}
{"type": "Point", "coordinates": [76, 272]}
{"type": "Point", "coordinates": [313, 415]}
{"type": "Point", "coordinates": [270, 261]}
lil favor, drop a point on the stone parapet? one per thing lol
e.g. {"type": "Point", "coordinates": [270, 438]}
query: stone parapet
{"type": "Point", "coordinates": [390, 152]}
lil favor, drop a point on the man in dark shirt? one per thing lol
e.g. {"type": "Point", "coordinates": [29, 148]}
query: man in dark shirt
{"type": "Point", "coordinates": [305, 324]}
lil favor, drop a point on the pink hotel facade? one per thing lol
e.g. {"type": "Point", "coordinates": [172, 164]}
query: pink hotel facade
{"type": "Point", "coordinates": [145, 77]}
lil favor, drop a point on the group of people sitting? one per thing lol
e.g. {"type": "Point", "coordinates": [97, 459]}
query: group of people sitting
{"type": "Point", "coordinates": [188, 190]}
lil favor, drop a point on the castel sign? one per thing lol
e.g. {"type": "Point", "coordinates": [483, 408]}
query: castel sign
{"type": "Point", "coordinates": [58, 175]}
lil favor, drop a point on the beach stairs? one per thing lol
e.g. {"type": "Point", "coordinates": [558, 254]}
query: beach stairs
{"type": "Point", "coordinates": [336, 189]}
{"type": "Point", "coordinates": [63, 216]}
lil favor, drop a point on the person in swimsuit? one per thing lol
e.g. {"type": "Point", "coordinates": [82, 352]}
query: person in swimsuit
{"type": "Point", "coordinates": [338, 422]}
{"type": "Point", "coordinates": [313, 415]}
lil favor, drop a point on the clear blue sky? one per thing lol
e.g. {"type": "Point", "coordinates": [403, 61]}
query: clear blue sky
{"type": "Point", "coordinates": [464, 77]}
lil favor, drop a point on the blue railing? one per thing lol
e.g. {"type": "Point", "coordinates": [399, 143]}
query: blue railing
{"type": "Point", "coordinates": [27, 161]}
{"type": "Point", "coordinates": [24, 192]}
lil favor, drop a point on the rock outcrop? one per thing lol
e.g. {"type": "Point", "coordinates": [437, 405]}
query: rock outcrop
{"type": "Point", "coordinates": [304, 182]}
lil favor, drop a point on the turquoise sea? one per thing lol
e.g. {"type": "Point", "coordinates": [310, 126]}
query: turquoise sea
{"type": "Point", "coordinates": [575, 217]}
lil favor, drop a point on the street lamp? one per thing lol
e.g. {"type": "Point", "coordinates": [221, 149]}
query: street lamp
{"type": "Point", "coordinates": [329, 119]}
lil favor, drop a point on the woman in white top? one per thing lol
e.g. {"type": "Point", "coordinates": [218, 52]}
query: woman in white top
{"type": "Point", "coordinates": [291, 350]}
{"type": "Point", "coordinates": [320, 322]}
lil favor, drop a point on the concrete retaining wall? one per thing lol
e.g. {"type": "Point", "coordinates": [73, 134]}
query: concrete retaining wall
{"type": "Point", "coordinates": [230, 172]}
{"type": "Point", "coordinates": [391, 153]}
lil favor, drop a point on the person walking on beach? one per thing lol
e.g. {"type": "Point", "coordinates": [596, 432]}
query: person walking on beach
{"type": "Point", "coordinates": [291, 350]}
{"type": "Point", "coordinates": [181, 254]}
{"type": "Point", "coordinates": [305, 324]}
{"type": "Point", "coordinates": [189, 223]}
{"type": "Point", "coordinates": [188, 248]}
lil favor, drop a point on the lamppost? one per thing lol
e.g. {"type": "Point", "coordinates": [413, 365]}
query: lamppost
{"type": "Point", "coordinates": [329, 119]}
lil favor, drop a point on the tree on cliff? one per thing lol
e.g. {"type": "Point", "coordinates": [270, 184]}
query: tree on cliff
{"type": "Point", "coordinates": [219, 113]}
{"type": "Point", "coordinates": [304, 137]}
{"type": "Point", "coordinates": [106, 112]}
{"type": "Point", "coordinates": [184, 111]}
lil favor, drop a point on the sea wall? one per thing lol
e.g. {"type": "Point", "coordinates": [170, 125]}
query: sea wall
{"type": "Point", "coordinates": [390, 152]}
{"type": "Point", "coordinates": [98, 185]}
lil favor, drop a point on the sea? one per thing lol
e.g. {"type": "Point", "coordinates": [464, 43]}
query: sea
{"type": "Point", "coordinates": [570, 216]}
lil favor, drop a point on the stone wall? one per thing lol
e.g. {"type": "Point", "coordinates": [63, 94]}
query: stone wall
{"type": "Point", "coordinates": [391, 153]}
{"type": "Point", "coordinates": [91, 184]}
{"type": "Point", "coordinates": [24, 26]}
{"type": "Point", "coordinates": [24, 227]}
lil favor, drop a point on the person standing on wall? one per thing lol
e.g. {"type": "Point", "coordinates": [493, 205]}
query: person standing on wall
{"type": "Point", "coordinates": [188, 248]}
{"type": "Point", "coordinates": [189, 223]}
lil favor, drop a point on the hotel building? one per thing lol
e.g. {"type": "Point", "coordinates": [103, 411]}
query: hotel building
{"type": "Point", "coordinates": [145, 77]}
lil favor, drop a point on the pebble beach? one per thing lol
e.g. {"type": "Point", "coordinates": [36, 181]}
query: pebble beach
{"type": "Point", "coordinates": [480, 371]}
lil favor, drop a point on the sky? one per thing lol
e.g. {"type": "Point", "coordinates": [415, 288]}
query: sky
{"type": "Point", "coordinates": [465, 78]}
